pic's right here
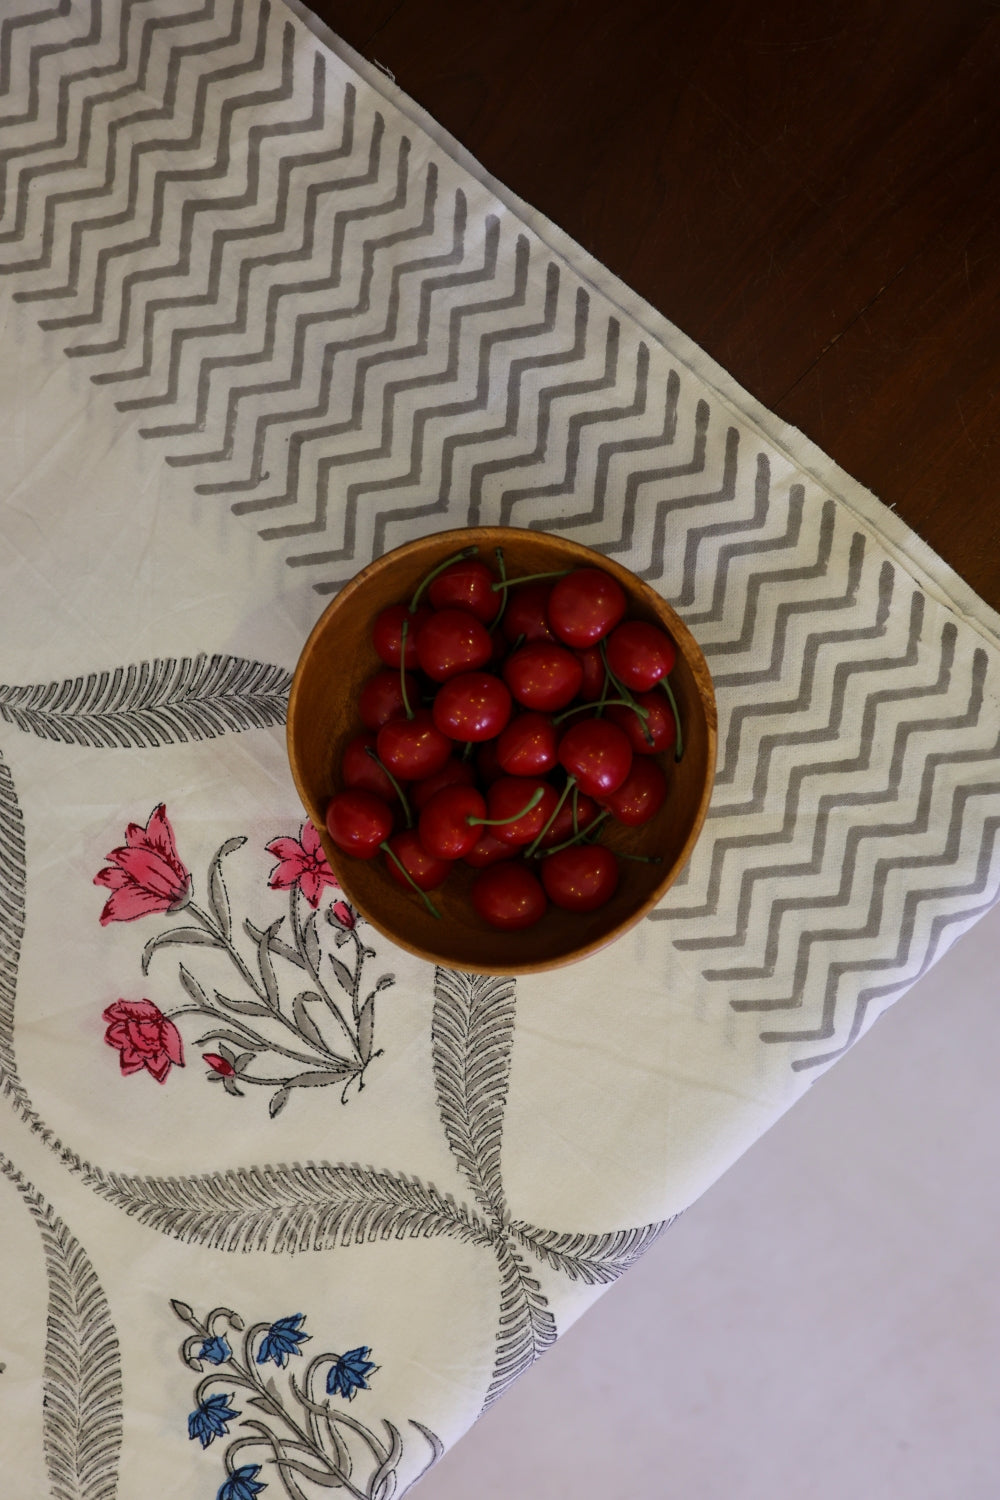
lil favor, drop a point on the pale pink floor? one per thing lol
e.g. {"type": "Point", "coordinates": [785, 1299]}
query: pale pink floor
{"type": "Point", "coordinates": [824, 1324]}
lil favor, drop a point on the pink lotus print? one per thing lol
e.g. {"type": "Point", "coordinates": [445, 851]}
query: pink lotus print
{"type": "Point", "coordinates": [144, 1037]}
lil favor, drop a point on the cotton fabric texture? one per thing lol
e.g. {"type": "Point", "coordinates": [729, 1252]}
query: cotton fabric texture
{"type": "Point", "coordinates": [283, 1203]}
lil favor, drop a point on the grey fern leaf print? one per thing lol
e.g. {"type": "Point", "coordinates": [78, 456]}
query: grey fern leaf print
{"type": "Point", "coordinates": [13, 874]}
{"type": "Point", "coordinates": [472, 1038]}
{"type": "Point", "coordinates": [286, 1209]}
{"type": "Point", "coordinates": [596, 1259]}
{"type": "Point", "coordinates": [526, 1327]}
{"type": "Point", "coordinates": [167, 701]}
{"type": "Point", "coordinates": [82, 1384]}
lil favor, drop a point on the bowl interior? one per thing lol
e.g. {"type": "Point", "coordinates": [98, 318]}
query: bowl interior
{"type": "Point", "coordinates": [323, 716]}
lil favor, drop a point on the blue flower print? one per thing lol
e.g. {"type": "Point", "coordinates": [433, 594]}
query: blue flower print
{"type": "Point", "coordinates": [209, 1420]}
{"type": "Point", "coordinates": [215, 1350]}
{"type": "Point", "coordinates": [282, 1339]}
{"type": "Point", "coordinates": [242, 1484]}
{"type": "Point", "coordinates": [350, 1373]}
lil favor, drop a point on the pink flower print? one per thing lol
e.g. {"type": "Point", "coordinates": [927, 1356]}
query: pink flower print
{"type": "Point", "coordinates": [302, 863]}
{"type": "Point", "coordinates": [343, 915]}
{"type": "Point", "coordinates": [144, 1037]}
{"type": "Point", "coordinates": [220, 1065]}
{"type": "Point", "coordinates": [146, 875]}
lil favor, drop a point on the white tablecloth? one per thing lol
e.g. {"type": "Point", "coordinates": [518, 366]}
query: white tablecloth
{"type": "Point", "coordinates": [263, 320]}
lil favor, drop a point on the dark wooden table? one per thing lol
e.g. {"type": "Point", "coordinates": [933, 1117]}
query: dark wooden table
{"type": "Point", "coordinates": [811, 192]}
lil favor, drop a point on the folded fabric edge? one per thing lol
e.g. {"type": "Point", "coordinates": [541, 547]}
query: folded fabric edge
{"type": "Point", "coordinates": [930, 571]}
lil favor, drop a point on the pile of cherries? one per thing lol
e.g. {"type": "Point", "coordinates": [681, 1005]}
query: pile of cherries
{"type": "Point", "coordinates": [512, 718]}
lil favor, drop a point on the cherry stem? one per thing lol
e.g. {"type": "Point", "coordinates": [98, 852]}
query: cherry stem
{"type": "Point", "coordinates": [604, 703]}
{"type": "Point", "coordinates": [580, 837]}
{"type": "Point", "coordinates": [395, 785]}
{"type": "Point", "coordinates": [642, 859]}
{"type": "Point", "coordinates": [410, 880]}
{"type": "Point", "coordinates": [601, 702]}
{"type": "Point", "coordinates": [510, 583]}
{"type": "Point", "coordinates": [536, 797]}
{"type": "Point", "coordinates": [402, 668]}
{"type": "Point", "coordinates": [458, 557]}
{"type": "Point", "coordinates": [502, 567]}
{"type": "Point", "coordinates": [679, 743]}
{"type": "Point", "coordinates": [626, 695]}
{"type": "Point", "coordinates": [569, 787]}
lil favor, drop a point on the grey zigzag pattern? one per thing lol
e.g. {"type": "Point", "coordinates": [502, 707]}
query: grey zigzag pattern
{"type": "Point", "coordinates": [857, 834]}
{"type": "Point", "coordinates": [915, 897]}
{"type": "Point", "coordinates": [860, 764]}
{"type": "Point", "coordinates": [871, 755]}
{"type": "Point", "coordinates": [328, 326]}
{"type": "Point", "coordinates": [120, 149]}
{"type": "Point", "coordinates": [9, 25]}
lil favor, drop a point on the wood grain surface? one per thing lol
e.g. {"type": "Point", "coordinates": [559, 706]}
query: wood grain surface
{"type": "Point", "coordinates": [810, 192]}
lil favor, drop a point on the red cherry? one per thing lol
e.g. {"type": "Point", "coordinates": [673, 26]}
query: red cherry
{"type": "Point", "coordinates": [412, 749]}
{"type": "Point", "coordinates": [592, 684]}
{"type": "Point", "coordinates": [488, 767]}
{"type": "Point", "coordinates": [526, 613]}
{"type": "Point", "coordinates": [454, 772]}
{"type": "Point", "coordinates": [527, 747]}
{"type": "Point", "coordinates": [580, 878]}
{"type": "Point", "coordinates": [585, 605]}
{"type": "Point", "coordinates": [658, 724]}
{"type": "Point", "coordinates": [509, 802]}
{"type": "Point", "coordinates": [425, 870]}
{"type": "Point", "coordinates": [358, 822]}
{"type": "Point", "coordinates": [471, 706]}
{"type": "Point", "coordinates": [543, 676]}
{"type": "Point", "coordinates": [387, 633]}
{"type": "Point", "coordinates": [358, 769]}
{"type": "Point", "coordinates": [597, 754]}
{"type": "Point", "coordinates": [640, 654]}
{"type": "Point", "coordinates": [562, 826]}
{"type": "Point", "coordinates": [641, 794]}
{"type": "Point", "coordinates": [509, 896]}
{"type": "Point", "coordinates": [453, 641]}
{"type": "Point", "coordinates": [444, 827]}
{"type": "Point", "coordinates": [499, 652]}
{"type": "Point", "coordinates": [467, 584]}
{"type": "Point", "coordinates": [489, 851]}
{"type": "Point", "coordinates": [381, 697]}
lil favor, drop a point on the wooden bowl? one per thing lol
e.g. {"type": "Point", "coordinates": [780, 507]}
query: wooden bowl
{"type": "Point", "coordinates": [323, 716]}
